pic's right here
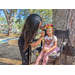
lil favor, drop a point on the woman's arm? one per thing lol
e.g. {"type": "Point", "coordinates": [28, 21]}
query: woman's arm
{"type": "Point", "coordinates": [34, 44]}
{"type": "Point", "coordinates": [42, 27]}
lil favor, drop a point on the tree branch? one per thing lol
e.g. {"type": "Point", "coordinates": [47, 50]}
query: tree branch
{"type": "Point", "coordinates": [13, 16]}
{"type": "Point", "coordinates": [10, 13]}
{"type": "Point", "coordinates": [6, 14]}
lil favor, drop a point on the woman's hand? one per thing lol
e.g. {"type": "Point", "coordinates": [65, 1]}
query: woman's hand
{"type": "Point", "coordinates": [42, 33]}
{"type": "Point", "coordinates": [47, 24]}
{"type": "Point", "coordinates": [42, 27]}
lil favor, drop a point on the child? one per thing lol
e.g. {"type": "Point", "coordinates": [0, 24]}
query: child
{"type": "Point", "coordinates": [49, 46]}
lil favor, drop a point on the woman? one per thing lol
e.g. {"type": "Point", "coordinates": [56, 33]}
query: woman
{"type": "Point", "coordinates": [33, 22]}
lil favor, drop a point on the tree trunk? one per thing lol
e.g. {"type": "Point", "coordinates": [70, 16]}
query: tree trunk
{"type": "Point", "coordinates": [9, 27]}
{"type": "Point", "coordinates": [9, 20]}
{"type": "Point", "coordinates": [64, 19]}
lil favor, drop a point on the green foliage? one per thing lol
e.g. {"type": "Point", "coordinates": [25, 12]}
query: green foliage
{"type": "Point", "coordinates": [18, 25]}
{"type": "Point", "coordinates": [46, 14]}
{"type": "Point", "coordinates": [22, 14]}
{"type": "Point", "coordinates": [10, 12]}
{"type": "Point", "coordinates": [3, 20]}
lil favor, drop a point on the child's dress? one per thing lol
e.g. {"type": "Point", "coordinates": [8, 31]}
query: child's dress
{"type": "Point", "coordinates": [49, 42]}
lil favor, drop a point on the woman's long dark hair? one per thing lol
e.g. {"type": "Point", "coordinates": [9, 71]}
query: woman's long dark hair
{"type": "Point", "coordinates": [30, 28]}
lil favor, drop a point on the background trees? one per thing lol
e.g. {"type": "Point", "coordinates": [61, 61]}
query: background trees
{"type": "Point", "coordinates": [15, 18]}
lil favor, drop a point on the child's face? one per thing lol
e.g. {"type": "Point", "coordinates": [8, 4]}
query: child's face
{"type": "Point", "coordinates": [49, 31]}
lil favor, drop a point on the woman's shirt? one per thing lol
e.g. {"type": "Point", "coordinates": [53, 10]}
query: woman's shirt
{"type": "Point", "coordinates": [21, 40]}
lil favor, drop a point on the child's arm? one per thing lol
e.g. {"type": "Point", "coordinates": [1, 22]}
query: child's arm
{"type": "Point", "coordinates": [44, 49]}
{"type": "Point", "coordinates": [55, 45]}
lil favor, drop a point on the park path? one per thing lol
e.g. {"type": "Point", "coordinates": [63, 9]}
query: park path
{"type": "Point", "coordinates": [3, 40]}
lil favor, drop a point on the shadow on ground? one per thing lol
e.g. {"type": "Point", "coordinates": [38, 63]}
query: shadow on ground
{"type": "Point", "coordinates": [9, 53]}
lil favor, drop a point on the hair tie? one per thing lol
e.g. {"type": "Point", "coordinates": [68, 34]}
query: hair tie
{"type": "Point", "coordinates": [49, 26]}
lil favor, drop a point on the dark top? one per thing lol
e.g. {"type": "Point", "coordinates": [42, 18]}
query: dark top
{"type": "Point", "coordinates": [21, 40]}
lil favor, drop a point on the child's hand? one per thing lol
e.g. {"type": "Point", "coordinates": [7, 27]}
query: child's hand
{"type": "Point", "coordinates": [44, 49]}
{"type": "Point", "coordinates": [48, 50]}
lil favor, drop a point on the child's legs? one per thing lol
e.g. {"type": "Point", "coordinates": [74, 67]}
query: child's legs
{"type": "Point", "coordinates": [45, 59]}
{"type": "Point", "coordinates": [39, 58]}
{"type": "Point", "coordinates": [46, 55]}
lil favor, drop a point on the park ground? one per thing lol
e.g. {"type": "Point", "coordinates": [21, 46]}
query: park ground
{"type": "Point", "coordinates": [9, 51]}
{"type": "Point", "coordinates": [10, 54]}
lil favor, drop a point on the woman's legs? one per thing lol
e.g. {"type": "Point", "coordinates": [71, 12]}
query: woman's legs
{"type": "Point", "coordinates": [39, 58]}
{"type": "Point", "coordinates": [24, 55]}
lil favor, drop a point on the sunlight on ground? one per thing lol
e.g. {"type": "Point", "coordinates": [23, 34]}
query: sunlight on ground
{"type": "Point", "coordinates": [6, 36]}
{"type": "Point", "coordinates": [10, 61]}
{"type": "Point", "coordinates": [13, 42]}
